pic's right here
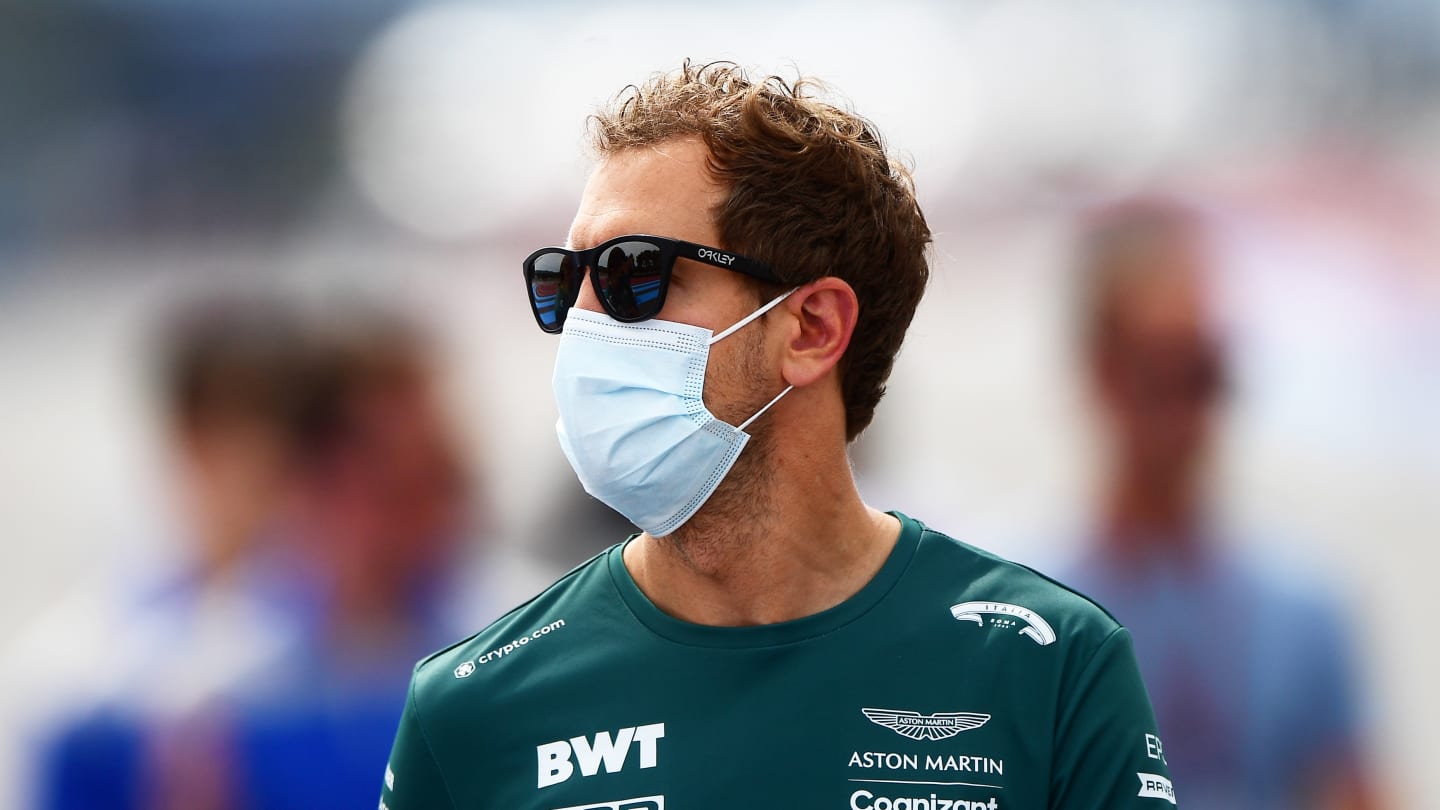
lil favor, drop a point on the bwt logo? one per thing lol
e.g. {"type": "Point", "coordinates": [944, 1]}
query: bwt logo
{"type": "Point", "coordinates": [590, 754]}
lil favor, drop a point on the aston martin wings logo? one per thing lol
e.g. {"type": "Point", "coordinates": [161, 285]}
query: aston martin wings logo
{"type": "Point", "coordinates": [917, 726]}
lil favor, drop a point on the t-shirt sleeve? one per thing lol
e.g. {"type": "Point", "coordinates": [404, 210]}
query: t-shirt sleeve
{"type": "Point", "coordinates": [1108, 753]}
{"type": "Point", "coordinates": [412, 776]}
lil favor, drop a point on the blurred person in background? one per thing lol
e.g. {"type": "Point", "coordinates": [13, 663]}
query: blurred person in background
{"type": "Point", "coordinates": [1248, 667]}
{"type": "Point", "coordinates": [379, 503]}
{"type": "Point", "coordinates": [157, 647]}
{"type": "Point", "coordinates": [325, 500]}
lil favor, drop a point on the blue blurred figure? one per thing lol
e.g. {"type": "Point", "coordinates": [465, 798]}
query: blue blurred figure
{"type": "Point", "coordinates": [178, 635]}
{"type": "Point", "coordinates": [328, 501]}
{"type": "Point", "coordinates": [1248, 665]}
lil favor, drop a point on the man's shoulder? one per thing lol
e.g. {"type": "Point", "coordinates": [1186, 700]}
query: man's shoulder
{"type": "Point", "coordinates": [530, 636]}
{"type": "Point", "coordinates": [990, 590]}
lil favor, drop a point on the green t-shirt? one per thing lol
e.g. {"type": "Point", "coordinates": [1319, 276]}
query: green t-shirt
{"type": "Point", "coordinates": [954, 680]}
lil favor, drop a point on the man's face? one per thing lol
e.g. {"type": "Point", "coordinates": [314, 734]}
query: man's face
{"type": "Point", "coordinates": [1161, 373]}
{"type": "Point", "coordinates": [666, 190]}
{"type": "Point", "coordinates": [386, 502]}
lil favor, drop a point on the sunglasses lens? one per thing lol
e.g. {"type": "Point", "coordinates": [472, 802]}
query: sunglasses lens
{"type": "Point", "coordinates": [553, 284]}
{"type": "Point", "coordinates": [631, 279]}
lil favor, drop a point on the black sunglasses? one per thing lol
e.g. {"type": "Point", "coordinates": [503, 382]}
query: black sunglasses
{"type": "Point", "coordinates": [630, 274]}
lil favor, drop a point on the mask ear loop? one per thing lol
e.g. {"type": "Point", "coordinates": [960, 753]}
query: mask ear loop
{"type": "Point", "coordinates": [762, 411]}
{"type": "Point", "coordinates": [736, 327]}
{"type": "Point", "coordinates": [748, 318]}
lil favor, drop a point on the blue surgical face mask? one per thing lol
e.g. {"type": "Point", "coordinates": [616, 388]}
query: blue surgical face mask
{"type": "Point", "coordinates": [633, 421]}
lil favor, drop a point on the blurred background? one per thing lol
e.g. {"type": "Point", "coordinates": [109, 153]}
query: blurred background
{"type": "Point", "coordinates": [275, 418]}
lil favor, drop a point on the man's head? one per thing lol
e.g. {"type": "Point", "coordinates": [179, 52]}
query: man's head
{"type": "Point", "coordinates": [381, 488]}
{"type": "Point", "coordinates": [1153, 353]}
{"type": "Point", "coordinates": [226, 378]}
{"type": "Point", "coordinates": [764, 169]}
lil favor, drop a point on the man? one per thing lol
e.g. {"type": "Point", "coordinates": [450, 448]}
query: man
{"type": "Point", "coordinates": [768, 640]}
{"type": "Point", "coordinates": [326, 497]}
{"type": "Point", "coordinates": [140, 731]}
{"type": "Point", "coordinates": [374, 520]}
{"type": "Point", "coordinates": [1248, 666]}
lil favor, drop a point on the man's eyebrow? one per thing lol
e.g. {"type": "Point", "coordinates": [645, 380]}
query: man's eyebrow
{"type": "Point", "coordinates": [583, 242]}
{"type": "Point", "coordinates": [578, 242]}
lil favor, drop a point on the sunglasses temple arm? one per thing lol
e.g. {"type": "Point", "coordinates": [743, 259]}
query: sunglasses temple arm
{"type": "Point", "coordinates": [729, 261]}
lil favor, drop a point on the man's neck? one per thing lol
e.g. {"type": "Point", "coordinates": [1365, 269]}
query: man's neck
{"type": "Point", "coordinates": [808, 544]}
{"type": "Point", "coordinates": [1140, 518]}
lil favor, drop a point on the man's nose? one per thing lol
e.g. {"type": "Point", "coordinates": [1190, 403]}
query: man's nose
{"type": "Point", "coordinates": [586, 299]}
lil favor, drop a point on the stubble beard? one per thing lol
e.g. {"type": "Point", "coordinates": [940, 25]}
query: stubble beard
{"type": "Point", "coordinates": [737, 513]}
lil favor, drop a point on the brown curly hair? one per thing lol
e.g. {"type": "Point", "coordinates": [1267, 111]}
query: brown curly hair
{"type": "Point", "coordinates": [810, 190]}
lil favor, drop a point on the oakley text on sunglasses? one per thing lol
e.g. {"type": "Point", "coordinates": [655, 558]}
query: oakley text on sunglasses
{"type": "Point", "coordinates": [630, 275]}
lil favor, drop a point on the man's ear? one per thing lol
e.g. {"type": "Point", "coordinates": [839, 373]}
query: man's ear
{"type": "Point", "coordinates": [824, 314]}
